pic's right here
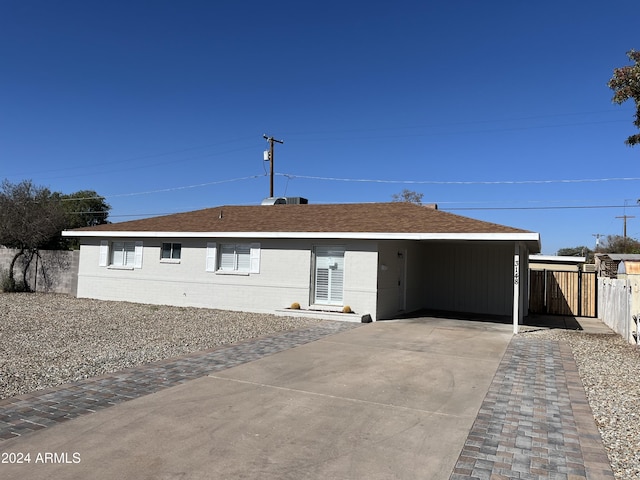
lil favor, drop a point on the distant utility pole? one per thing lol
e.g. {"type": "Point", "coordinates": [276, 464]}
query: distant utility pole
{"type": "Point", "coordinates": [624, 217]}
{"type": "Point", "coordinates": [597, 235]}
{"type": "Point", "coordinates": [269, 158]}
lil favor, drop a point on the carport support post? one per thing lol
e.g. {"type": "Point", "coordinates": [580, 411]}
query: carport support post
{"type": "Point", "coordinates": [516, 288]}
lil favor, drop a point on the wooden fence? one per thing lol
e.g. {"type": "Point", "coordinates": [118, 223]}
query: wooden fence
{"type": "Point", "coordinates": [563, 293]}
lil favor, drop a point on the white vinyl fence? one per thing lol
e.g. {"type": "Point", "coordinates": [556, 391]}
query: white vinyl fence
{"type": "Point", "coordinates": [618, 303]}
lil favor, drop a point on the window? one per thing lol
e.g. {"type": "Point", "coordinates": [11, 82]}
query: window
{"type": "Point", "coordinates": [126, 254]}
{"type": "Point", "coordinates": [243, 258]}
{"type": "Point", "coordinates": [123, 254]}
{"type": "Point", "coordinates": [235, 257]}
{"type": "Point", "coordinates": [120, 254]}
{"type": "Point", "coordinates": [171, 251]}
{"type": "Point", "coordinates": [328, 275]}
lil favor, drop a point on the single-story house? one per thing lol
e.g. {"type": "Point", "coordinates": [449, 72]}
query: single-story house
{"type": "Point", "coordinates": [380, 259]}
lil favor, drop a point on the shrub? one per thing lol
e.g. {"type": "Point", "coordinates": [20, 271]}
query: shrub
{"type": "Point", "coordinates": [295, 306]}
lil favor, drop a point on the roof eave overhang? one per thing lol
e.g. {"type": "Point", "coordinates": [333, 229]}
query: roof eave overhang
{"type": "Point", "coordinates": [532, 239]}
{"type": "Point", "coordinates": [556, 259]}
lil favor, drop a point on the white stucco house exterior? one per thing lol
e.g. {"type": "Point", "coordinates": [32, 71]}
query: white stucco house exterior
{"type": "Point", "coordinates": [380, 259]}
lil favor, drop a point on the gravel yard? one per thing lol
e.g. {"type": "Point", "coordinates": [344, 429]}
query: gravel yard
{"type": "Point", "coordinates": [48, 340]}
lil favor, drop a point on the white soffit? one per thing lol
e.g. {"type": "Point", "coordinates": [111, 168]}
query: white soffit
{"type": "Point", "coordinates": [556, 259]}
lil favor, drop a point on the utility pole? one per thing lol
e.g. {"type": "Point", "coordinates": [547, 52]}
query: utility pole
{"type": "Point", "coordinates": [269, 154]}
{"type": "Point", "coordinates": [597, 235]}
{"type": "Point", "coordinates": [624, 217]}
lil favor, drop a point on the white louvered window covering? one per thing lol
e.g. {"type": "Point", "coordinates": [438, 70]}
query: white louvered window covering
{"type": "Point", "coordinates": [329, 275]}
{"type": "Point", "coordinates": [126, 254]}
{"type": "Point", "coordinates": [240, 257]}
{"type": "Point", "coordinates": [227, 257]}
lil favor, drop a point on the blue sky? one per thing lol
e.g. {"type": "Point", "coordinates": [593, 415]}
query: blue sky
{"type": "Point", "coordinates": [497, 110]}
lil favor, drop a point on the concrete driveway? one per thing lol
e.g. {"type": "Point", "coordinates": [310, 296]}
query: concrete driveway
{"type": "Point", "coordinates": [392, 399]}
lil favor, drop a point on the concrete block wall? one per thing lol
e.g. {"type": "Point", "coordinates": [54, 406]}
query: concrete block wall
{"type": "Point", "coordinates": [56, 271]}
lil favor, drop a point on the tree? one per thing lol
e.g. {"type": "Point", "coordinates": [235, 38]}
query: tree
{"type": "Point", "coordinates": [408, 196]}
{"type": "Point", "coordinates": [84, 208]}
{"type": "Point", "coordinates": [30, 217]}
{"type": "Point", "coordinates": [620, 244]}
{"type": "Point", "coordinates": [626, 85]}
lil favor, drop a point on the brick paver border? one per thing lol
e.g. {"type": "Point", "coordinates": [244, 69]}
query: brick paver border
{"type": "Point", "coordinates": [535, 421]}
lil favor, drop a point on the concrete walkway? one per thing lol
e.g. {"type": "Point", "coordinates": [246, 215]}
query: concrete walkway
{"type": "Point", "coordinates": [425, 398]}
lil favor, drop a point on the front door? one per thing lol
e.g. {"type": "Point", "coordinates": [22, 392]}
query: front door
{"type": "Point", "coordinates": [329, 275]}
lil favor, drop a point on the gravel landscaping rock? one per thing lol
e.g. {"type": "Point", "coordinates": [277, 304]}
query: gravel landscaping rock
{"type": "Point", "coordinates": [47, 340]}
{"type": "Point", "coordinates": [609, 368]}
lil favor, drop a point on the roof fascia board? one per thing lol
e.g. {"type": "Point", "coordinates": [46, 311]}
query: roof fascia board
{"type": "Point", "coordinates": [557, 259]}
{"type": "Point", "coordinates": [518, 237]}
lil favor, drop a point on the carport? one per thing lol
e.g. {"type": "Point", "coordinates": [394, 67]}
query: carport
{"type": "Point", "coordinates": [467, 273]}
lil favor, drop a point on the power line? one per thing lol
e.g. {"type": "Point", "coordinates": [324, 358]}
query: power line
{"type": "Point", "coordinates": [457, 132]}
{"type": "Point", "coordinates": [145, 157]}
{"type": "Point", "coordinates": [459, 182]}
{"type": "Point", "coordinates": [342, 131]}
{"type": "Point", "coordinates": [88, 171]}
{"type": "Point", "coordinates": [173, 189]}
{"type": "Point", "coordinates": [469, 123]}
{"type": "Point", "coordinates": [370, 180]}
{"type": "Point", "coordinates": [163, 190]}
{"type": "Point", "coordinates": [564, 207]}
{"type": "Point", "coordinates": [567, 207]}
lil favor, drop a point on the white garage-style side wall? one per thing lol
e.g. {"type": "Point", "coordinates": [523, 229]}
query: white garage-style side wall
{"type": "Point", "coordinates": [475, 277]}
{"type": "Point", "coordinates": [282, 273]}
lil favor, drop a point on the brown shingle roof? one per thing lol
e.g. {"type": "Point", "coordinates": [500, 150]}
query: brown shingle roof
{"type": "Point", "coordinates": [395, 217]}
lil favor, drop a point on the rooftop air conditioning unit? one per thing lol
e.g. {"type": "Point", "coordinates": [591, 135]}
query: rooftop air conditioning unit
{"type": "Point", "coordinates": [297, 201]}
{"type": "Point", "coordinates": [284, 201]}
{"type": "Point", "coordinates": [274, 201]}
